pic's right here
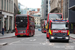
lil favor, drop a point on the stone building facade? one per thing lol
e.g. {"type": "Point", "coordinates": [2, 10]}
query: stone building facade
{"type": "Point", "coordinates": [45, 8]}
{"type": "Point", "coordinates": [72, 16]}
{"type": "Point", "coordinates": [37, 17]}
{"type": "Point", "coordinates": [7, 15]}
{"type": "Point", "coordinates": [59, 6]}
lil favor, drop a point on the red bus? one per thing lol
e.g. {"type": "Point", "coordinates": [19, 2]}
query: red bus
{"type": "Point", "coordinates": [58, 30]}
{"type": "Point", "coordinates": [24, 25]}
{"type": "Point", "coordinates": [53, 16]}
{"type": "Point", "coordinates": [43, 27]}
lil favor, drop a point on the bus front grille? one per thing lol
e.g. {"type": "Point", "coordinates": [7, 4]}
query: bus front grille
{"type": "Point", "coordinates": [60, 34]}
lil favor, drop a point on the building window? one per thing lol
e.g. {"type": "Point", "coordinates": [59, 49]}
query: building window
{"type": "Point", "coordinates": [46, 11]}
{"type": "Point", "coordinates": [46, 14]}
{"type": "Point", "coordinates": [46, 5]}
{"type": "Point", "coordinates": [5, 5]}
{"type": "Point", "coordinates": [2, 4]}
{"type": "Point", "coordinates": [9, 5]}
{"type": "Point", "coordinates": [46, 1]}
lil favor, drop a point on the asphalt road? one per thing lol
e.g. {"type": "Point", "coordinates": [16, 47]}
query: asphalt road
{"type": "Point", "coordinates": [38, 42]}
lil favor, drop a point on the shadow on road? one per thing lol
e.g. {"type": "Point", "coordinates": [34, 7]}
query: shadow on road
{"type": "Point", "coordinates": [23, 37]}
{"type": "Point", "coordinates": [61, 42]}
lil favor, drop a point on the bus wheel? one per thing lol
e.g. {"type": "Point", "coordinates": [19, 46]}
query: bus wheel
{"type": "Point", "coordinates": [18, 36]}
{"type": "Point", "coordinates": [47, 37]}
{"type": "Point", "coordinates": [50, 40]}
{"type": "Point", "coordinates": [30, 35]}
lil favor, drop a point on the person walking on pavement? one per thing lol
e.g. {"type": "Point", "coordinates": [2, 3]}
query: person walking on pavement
{"type": "Point", "coordinates": [3, 31]}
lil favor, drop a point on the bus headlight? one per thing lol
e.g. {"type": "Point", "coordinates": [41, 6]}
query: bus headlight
{"type": "Point", "coordinates": [52, 37]}
{"type": "Point", "coordinates": [66, 37]}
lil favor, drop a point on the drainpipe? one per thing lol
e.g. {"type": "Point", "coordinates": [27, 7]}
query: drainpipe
{"type": "Point", "coordinates": [62, 6]}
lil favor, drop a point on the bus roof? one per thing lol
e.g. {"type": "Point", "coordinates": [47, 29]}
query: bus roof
{"type": "Point", "coordinates": [19, 15]}
{"type": "Point", "coordinates": [23, 15]}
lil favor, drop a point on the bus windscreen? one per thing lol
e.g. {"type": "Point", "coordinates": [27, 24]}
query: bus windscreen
{"type": "Point", "coordinates": [55, 16]}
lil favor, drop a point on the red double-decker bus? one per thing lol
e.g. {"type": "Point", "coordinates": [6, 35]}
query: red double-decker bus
{"type": "Point", "coordinates": [58, 30]}
{"type": "Point", "coordinates": [53, 16]}
{"type": "Point", "coordinates": [24, 25]}
{"type": "Point", "coordinates": [43, 27]}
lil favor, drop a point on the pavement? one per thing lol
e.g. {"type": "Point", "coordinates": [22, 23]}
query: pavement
{"type": "Point", "coordinates": [72, 35]}
{"type": "Point", "coordinates": [7, 35]}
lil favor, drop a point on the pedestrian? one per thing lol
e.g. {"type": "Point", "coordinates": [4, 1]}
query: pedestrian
{"type": "Point", "coordinates": [3, 31]}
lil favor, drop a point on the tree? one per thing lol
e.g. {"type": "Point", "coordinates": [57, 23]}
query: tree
{"type": "Point", "coordinates": [19, 12]}
{"type": "Point", "coordinates": [35, 23]}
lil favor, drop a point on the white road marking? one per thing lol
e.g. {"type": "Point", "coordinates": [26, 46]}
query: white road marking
{"type": "Point", "coordinates": [43, 43]}
{"type": "Point", "coordinates": [14, 42]}
{"type": "Point", "coordinates": [33, 40]}
{"type": "Point", "coordinates": [5, 43]}
{"type": "Point", "coordinates": [40, 43]}
{"type": "Point", "coordinates": [39, 35]}
{"type": "Point", "coordinates": [52, 44]}
{"type": "Point", "coordinates": [69, 47]}
{"type": "Point", "coordinates": [74, 42]}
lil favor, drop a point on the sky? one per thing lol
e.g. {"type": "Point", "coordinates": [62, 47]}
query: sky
{"type": "Point", "coordinates": [31, 3]}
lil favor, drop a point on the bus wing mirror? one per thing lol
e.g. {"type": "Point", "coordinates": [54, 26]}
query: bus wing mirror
{"type": "Point", "coordinates": [67, 25]}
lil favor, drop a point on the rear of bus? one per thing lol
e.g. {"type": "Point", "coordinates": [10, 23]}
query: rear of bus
{"type": "Point", "coordinates": [44, 23]}
{"type": "Point", "coordinates": [21, 24]}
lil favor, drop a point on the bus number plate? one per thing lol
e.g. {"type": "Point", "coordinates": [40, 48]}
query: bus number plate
{"type": "Point", "coordinates": [21, 35]}
{"type": "Point", "coordinates": [59, 37]}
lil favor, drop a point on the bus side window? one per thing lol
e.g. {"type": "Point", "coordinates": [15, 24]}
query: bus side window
{"type": "Point", "coordinates": [32, 19]}
{"type": "Point", "coordinates": [48, 25]}
{"type": "Point", "coordinates": [29, 18]}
